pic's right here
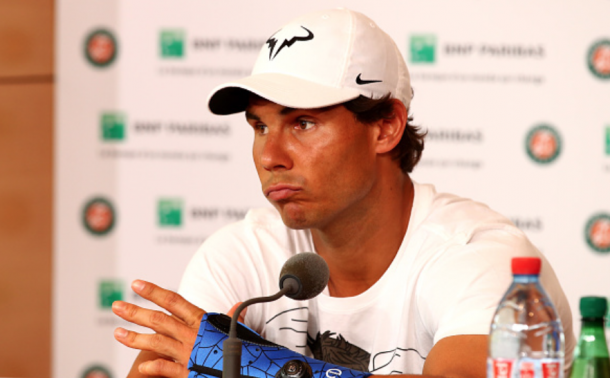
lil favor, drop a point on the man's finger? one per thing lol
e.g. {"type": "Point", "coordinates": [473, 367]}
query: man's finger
{"type": "Point", "coordinates": [242, 316]}
{"type": "Point", "coordinates": [160, 344]}
{"type": "Point", "coordinates": [163, 368]}
{"type": "Point", "coordinates": [172, 302]}
{"type": "Point", "coordinates": [155, 320]}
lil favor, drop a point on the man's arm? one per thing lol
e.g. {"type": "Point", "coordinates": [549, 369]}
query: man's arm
{"type": "Point", "coordinates": [453, 357]}
{"type": "Point", "coordinates": [166, 352]}
{"type": "Point", "coordinates": [458, 357]}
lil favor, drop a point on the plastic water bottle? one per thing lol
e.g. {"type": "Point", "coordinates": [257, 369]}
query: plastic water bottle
{"type": "Point", "coordinates": [526, 338]}
{"type": "Point", "coordinates": [591, 358]}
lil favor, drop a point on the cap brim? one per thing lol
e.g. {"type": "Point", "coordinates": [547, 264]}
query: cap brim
{"type": "Point", "coordinates": [282, 89]}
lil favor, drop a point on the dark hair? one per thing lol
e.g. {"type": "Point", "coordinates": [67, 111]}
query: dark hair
{"type": "Point", "coordinates": [408, 151]}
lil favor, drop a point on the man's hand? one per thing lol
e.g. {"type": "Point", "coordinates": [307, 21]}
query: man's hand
{"type": "Point", "coordinates": [174, 335]}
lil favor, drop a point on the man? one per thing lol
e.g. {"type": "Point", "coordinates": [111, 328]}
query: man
{"type": "Point", "coordinates": [415, 276]}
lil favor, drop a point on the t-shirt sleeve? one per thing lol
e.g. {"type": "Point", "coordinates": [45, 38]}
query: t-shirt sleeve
{"type": "Point", "coordinates": [459, 292]}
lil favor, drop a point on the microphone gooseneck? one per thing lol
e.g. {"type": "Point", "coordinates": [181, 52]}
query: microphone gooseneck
{"type": "Point", "coordinates": [240, 308]}
{"type": "Point", "coordinates": [231, 347]}
{"type": "Point", "coordinates": [302, 277]}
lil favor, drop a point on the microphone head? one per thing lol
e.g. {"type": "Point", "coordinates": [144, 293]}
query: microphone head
{"type": "Point", "coordinates": [306, 273]}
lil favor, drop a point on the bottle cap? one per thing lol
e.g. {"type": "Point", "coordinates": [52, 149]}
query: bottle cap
{"type": "Point", "coordinates": [593, 307]}
{"type": "Point", "coordinates": [526, 265]}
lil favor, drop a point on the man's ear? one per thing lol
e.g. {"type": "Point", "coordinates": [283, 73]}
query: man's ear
{"type": "Point", "coordinates": [391, 130]}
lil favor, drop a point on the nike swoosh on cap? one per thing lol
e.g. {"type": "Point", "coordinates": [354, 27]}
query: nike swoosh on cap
{"type": "Point", "coordinates": [359, 81]}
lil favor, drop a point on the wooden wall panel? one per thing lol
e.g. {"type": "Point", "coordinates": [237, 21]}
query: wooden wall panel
{"type": "Point", "coordinates": [26, 166]}
{"type": "Point", "coordinates": [25, 229]}
{"type": "Point", "coordinates": [26, 37]}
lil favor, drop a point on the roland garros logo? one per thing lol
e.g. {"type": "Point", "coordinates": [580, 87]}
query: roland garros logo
{"type": "Point", "coordinates": [597, 233]}
{"type": "Point", "coordinates": [598, 59]}
{"type": "Point", "coordinates": [543, 144]}
{"type": "Point", "coordinates": [100, 48]}
{"type": "Point", "coordinates": [98, 216]}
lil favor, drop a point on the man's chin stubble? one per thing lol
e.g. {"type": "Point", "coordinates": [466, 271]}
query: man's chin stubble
{"type": "Point", "coordinates": [295, 220]}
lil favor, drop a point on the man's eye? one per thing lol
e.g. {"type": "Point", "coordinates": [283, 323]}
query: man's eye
{"type": "Point", "coordinates": [261, 129]}
{"type": "Point", "coordinates": [304, 124]}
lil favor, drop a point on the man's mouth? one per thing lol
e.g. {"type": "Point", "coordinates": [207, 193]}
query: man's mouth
{"type": "Point", "coordinates": [280, 192]}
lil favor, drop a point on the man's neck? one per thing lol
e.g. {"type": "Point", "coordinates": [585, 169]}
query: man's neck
{"type": "Point", "coordinates": [360, 246]}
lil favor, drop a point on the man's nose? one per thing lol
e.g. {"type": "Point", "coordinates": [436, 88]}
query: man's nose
{"type": "Point", "coordinates": [275, 154]}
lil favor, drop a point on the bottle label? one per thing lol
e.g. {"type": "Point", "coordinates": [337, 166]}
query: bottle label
{"type": "Point", "coordinates": [551, 369]}
{"type": "Point", "coordinates": [524, 368]}
{"type": "Point", "coordinates": [527, 369]}
{"type": "Point", "coordinates": [540, 368]}
{"type": "Point", "coordinates": [500, 368]}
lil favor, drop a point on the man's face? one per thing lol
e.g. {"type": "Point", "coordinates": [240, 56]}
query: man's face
{"type": "Point", "coordinates": [316, 166]}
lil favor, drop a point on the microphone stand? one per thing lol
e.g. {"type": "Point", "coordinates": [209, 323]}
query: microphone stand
{"type": "Point", "coordinates": [231, 347]}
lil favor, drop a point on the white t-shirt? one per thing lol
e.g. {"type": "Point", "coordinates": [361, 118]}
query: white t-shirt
{"type": "Point", "coordinates": [447, 279]}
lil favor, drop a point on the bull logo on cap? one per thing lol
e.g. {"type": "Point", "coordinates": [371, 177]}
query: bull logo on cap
{"type": "Point", "coordinates": [287, 41]}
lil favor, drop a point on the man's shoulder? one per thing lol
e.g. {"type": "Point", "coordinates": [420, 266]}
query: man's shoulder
{"type": "Point", "coordinates": [459, 233]}
{"type": "Point", "coordinates": [450, 214]}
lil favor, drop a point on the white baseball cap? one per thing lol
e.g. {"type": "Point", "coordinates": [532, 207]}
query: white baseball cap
{"type": "Point", "coordinates": [321, 59]}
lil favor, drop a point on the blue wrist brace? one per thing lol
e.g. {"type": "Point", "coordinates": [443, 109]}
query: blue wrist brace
{"type": "Point", "coordinates": [260, 358]}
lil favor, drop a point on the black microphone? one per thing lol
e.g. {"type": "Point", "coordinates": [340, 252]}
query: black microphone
{"type": "Point", "coordinates": [302, 277]}
{"type": "Point", "coordinates": [306, 274]}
